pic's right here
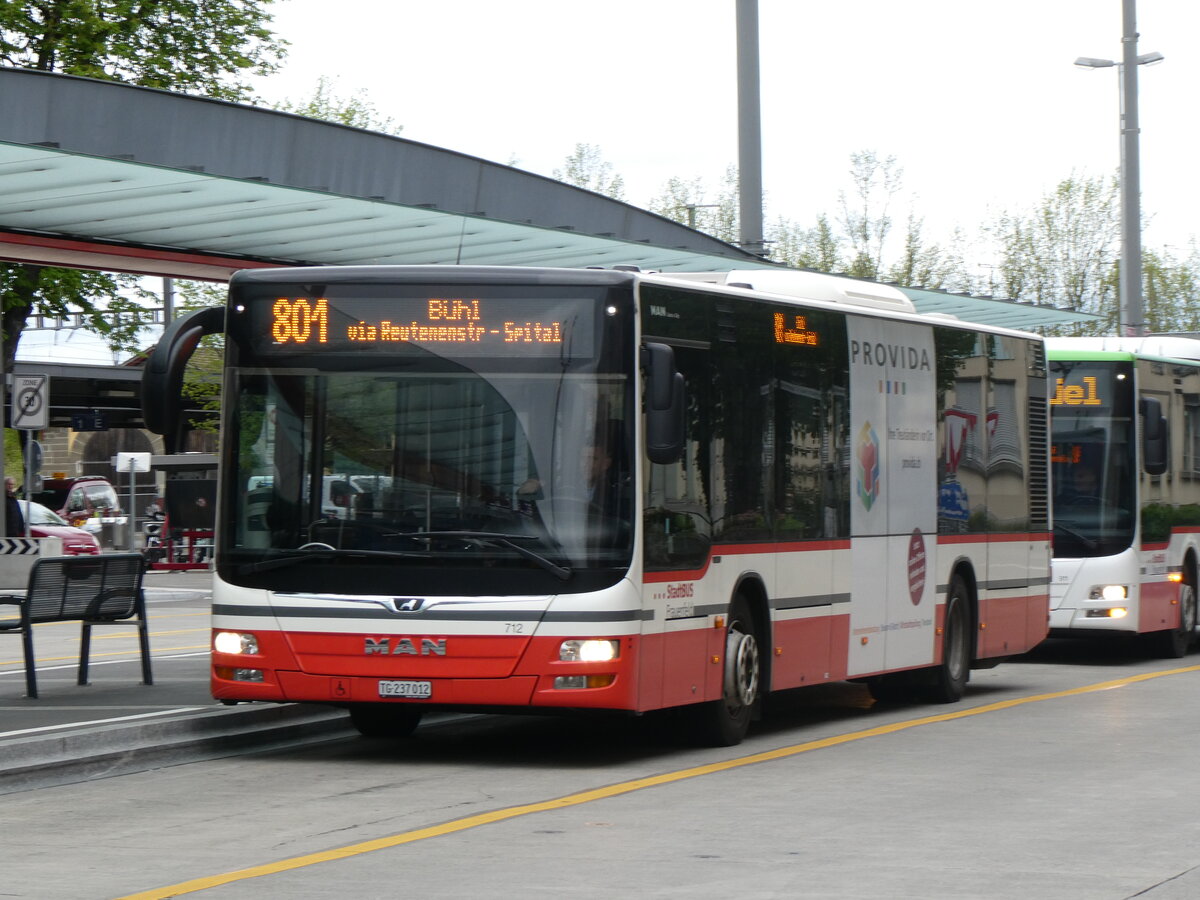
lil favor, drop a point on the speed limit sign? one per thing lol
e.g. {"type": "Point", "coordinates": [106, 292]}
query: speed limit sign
{"type": "Point", "coordinates": [30, 401]}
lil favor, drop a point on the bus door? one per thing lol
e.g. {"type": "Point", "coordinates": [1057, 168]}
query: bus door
{"type": "Point", "coordinates": [893, 497]}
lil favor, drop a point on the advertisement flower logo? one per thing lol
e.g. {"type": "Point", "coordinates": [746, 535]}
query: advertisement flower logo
{"type": "Point", "coordinates": [866, 458]}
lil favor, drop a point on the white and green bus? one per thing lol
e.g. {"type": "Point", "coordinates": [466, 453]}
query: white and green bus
{"type": "Point", "coordinates": [1125, 436]}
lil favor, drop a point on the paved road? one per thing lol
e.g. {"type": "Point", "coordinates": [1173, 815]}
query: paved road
{"type": "Point", "coordinates": [1069, 774]}
{"type": "Point", "coordinates": [116, 724]}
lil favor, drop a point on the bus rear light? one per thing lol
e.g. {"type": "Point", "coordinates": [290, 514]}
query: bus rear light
{"type": "Point", "coordinates": [225, 673]}
{"type": "Point", "coordinates": [235, 642]}
{"type": "Point", "coordinates": [589, 651]}
{"type": "Point", "coordinates": [576, 682]}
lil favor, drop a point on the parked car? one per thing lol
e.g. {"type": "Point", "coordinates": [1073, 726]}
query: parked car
{"type": "Point", "coordinates": [88, 501]}
{"type": "Point", "coordinates": [45, 523]}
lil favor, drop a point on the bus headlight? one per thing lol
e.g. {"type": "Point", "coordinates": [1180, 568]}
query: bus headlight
{"type": "Point", "coordinates": [1109, 593]}
{"type": "Point", "coordinates": [589, 651]}
{"type": "Point", "coordinates": [235, 642]}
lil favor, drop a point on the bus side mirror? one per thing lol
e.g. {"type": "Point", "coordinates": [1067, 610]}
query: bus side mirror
{"type": "Point", "coordinates": [1155, 436]}
{"type": "Point", "coordinates": [162, 377]}
{"type": "Point", "coordinates": [664, 404]}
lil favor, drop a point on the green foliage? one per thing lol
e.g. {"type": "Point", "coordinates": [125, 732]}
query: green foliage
{"type": "Point", "coordinates": [14, 460]}
{"type": "Point", "coordinates": [813, 248]}
{"type": "Point", "coordinates": [1062, 252]}
{"type": "Point", "coordinates": [202, 377]}
{"type": "Point", "coordinates": [1172, 291]}
{"type": "Point", "coordinates": [195, 46]}
{"type": "Point", "coordinates": [204, 47]}
{"type": "Point", "coordinates": [112, 305]}
{"type": "Point", "coordinates": [689, 203]}
{"type": "Point", "coordinates": [865, 217]}
{"type": "Point", "coordinates": [1159, 518]}
{"type": "Point", "coordinates": [357, 111]}
{"type": "Point", "coordinates": [586, 168]}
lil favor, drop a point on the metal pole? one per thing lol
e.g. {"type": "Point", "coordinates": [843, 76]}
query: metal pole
{"type": "Point", "coordinates": [1132, 320]}
{"type": "Point", "coordinates": [750, 213]}
{"type": "Point", "coordinates": [28, 477]}
{"type": "Point", "coordinates": [3, 432]}
{"type": "Point", "coordinates": [130, 517]}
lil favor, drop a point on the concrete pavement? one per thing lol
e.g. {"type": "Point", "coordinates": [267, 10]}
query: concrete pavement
{"type": "Point", "coordinates": [116, 724]}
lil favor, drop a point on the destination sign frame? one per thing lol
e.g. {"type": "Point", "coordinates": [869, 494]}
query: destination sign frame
{"type": "Point", "coordinates": [453, 325]}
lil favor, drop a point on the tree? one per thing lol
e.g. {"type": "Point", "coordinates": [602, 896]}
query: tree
{"type": "Point", "coordinates": [357, 111]}
{"type": "Point", "coordinates": [109, 303]}
{"type": "Point", "coordinates": [816, 248]}
{"type": "Point", "coordinates": [1172, 291]}
{"type": "Point", "coordinates": [586, 168]}
{"type": "Point", "coordinates": [199, 46]}
{"type": "Point", "coordinates": [202, 377]}
{"type": "Point", "coordinates": [1064, 251]}
{"type": "Point", "coordinates": [865, 219]}
{"type": "Point", "coordinates": [689, 203]}
{"type": "Point", "coordinates": [921, 264]}
{"type": "Point", "coordinates": [194, 46]}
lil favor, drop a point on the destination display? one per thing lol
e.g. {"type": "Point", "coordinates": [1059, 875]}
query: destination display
{"type": "Point", "coordinates": [1087, 392]}
{"type": "Point", "coordinates": [446, 325]}
{"type": "Point", "coordinates": [794, 329]}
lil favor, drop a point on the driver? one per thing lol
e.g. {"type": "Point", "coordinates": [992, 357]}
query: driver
{"type": "Point", "coordinates": [1084, 481]}
{"type": "Point", "coordinates": [602, 485]}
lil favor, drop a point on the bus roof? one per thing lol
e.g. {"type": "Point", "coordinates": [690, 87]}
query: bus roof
{"type": "Point", "coordinates": [807, 286]}
{"type": "Point", "coordinates": [794, 284]}
{"type": "Point", "coordinates": [1158, 346]}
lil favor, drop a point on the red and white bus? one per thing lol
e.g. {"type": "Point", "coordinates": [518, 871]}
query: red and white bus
{"type": "Point", "coordinates": [1125, 429]}
{"type": "Point", "coordinates": [505, 489]}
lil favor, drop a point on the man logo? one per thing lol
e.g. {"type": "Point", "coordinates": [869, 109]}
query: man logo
{"type": "Point", "coordinates": [407, 604]}
{"type": "Point", "coordinates": [404, 647]}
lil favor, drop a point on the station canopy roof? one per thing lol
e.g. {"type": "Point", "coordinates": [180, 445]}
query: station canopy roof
{"type": "Point", "coordinates": [104, 175]}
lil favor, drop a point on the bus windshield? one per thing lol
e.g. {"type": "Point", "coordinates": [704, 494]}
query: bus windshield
{"type": "Point", "coordinates": [1093, 433]}
{"type": "Point", "coordinates": [432, 470]}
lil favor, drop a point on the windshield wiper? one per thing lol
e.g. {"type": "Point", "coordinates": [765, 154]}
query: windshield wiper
{"type": "Point", "coordinates": [498, 539]}
{"type": "Point", "coordinates": [300, 555]}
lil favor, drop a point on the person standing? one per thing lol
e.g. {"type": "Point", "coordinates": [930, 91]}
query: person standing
{"type": "Point", "coordinates": [14, 522]}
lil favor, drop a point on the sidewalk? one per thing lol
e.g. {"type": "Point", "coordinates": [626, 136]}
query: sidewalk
{"type": "Point", "coordinates": [117, 724]}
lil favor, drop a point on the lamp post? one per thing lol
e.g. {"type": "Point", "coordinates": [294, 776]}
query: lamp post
{"type": "Point", "coordinates": [1131, 317]}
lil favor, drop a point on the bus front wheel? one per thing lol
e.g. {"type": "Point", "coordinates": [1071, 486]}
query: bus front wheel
{"type": "Point", "coordinates": [1175, 643]}
{"type": "Point", "coordinates": [723, 723]}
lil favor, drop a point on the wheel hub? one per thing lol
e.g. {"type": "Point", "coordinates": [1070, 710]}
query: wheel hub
{"type": "Point", "coordinates": [741, 669]}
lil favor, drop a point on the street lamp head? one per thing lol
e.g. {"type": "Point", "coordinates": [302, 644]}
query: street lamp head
{"type": "Point", "coordinates": [1090, 62]}
{"type": "Point", "coordinates": [1150, 59]}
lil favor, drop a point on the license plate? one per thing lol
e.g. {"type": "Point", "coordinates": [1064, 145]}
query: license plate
{"type": "Point", "coordinates": [415, 690]}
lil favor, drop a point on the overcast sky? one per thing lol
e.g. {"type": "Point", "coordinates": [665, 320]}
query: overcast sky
{"type": "Point", "coordinates": [978, 100]}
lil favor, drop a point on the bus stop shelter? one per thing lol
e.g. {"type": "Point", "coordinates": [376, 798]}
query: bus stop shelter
{"type": "Point", "coordinates": [103, 175]}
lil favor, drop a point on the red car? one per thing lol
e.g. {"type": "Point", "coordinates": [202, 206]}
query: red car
{"type": "Point", "coordinates": [45, 523]}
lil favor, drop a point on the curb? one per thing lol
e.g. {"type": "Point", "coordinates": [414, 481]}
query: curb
{"type": "Point", "coordinates": [83, 754]}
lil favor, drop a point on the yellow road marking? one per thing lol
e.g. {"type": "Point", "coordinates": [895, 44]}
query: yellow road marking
{"type": "Point", "coordinates": [615, 790]}
{"type": "Point", "coordinates": [117, 637]}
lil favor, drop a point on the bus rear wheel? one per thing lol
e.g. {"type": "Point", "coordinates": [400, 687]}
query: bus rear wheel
{"type": "Point", "coordinates": [384, 720]}
{"type": "Point", "coordinates": [724, 722]}
{"type": "Point", "coordinates": [949, 678]}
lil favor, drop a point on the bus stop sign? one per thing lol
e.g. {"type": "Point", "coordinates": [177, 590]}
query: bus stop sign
{"type": "Point", "coordinates": [31, 402]}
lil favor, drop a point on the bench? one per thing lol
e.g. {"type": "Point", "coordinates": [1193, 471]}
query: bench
{"type": "Point", "coordinates": [93, 590]}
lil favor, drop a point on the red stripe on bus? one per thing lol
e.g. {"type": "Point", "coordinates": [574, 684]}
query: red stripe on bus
{"type": "Point", "coordinates": [993, 538]}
